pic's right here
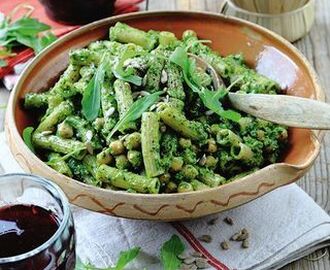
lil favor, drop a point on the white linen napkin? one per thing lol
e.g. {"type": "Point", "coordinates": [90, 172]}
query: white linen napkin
{"type": "Point", "coordinates": [284, 225]}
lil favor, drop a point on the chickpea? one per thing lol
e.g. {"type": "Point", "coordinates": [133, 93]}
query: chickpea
{"type": "Point", "coordinates": [283, 135]}
{"type": "Point", "coordinates": [185, 187]}
{"type": "Point", "coordinates": [171, 187]}
{"type": "Point", "coordinates": [64, 130]}
{"type": "Point", "coordinates": [116, 147]}
{"type": "Point", "coordinates": [176, 164]}
{"type": "Point", "coordinates": [211, 162]}
{"type": "Point", "coordinates": [122, 162]}
{"type": "Point", "coordinates": [98, 123]}
{"type": "Point", "coordinates": [133, 141]}
{"type": "Point", "coordinates": [135, 158]}
{"type": "Point", "coordinates": [188, 33]}
{"type": "Point", "coordinates": [211, 146]}
{"type": "Point", "coordinates": [185, 143]}
{"type": "Point", "coordinates": [104, 157]}
{"type": "Point", "coordinates": [189, 171]}
{"type": "Point", "coordinates": [165, 178]}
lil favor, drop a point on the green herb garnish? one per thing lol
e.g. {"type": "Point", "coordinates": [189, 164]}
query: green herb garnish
{"type": "Point", "coordinates": [136, 110]}
{"type": "Point", "coordinates": [3, 63]}
{"type": "Point", "coordinates": [91, 101]}
{"type": "Point", "coordinates": [169, 253]}
{"type": "Point", "coordinates": [27, 137]}
{"type": "Point", "coordinates": [128, 74]}
{"type": "Point", "coordinates": [24, 31]}
{"type": "Point", "coordinates": [210, 99]}
{"type": "Point", "coordinates": [125, 257]}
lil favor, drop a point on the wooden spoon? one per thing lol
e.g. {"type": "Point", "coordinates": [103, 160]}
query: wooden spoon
{"type": "Point", "coordinates": [286, 110]}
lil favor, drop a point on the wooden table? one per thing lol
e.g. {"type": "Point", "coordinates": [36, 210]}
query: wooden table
{"type": "Point", "coordinates": [316, 47]}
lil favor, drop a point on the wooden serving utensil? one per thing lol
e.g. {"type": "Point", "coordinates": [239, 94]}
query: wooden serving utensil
{"type": "Point", "coordinates": [286, 110]}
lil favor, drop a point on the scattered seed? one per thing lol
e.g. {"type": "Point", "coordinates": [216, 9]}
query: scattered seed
{"type": "Point", "coordinates": [229, 221]}
{"type": "Point", "coordinates": [163, 78]}
{"type": "Point", "coordinates": [235, 236]}
{"type": "Point", "coordinates": [224, 245]}
{"type": "Point", "coordinates": [244, 234]}
{"type": "Point", "coordinates": [201, 263]}
{"type": "Point", "coordinates": [245, 243]}
{"type": "Point", "coordinates": [212, 221]}
{"type": "Point", "coordinates": [202, 160]}
{"type": "Point", "coordinates": [189, 260]}
{"type": "Point", "coordinates": [188, 267]}
{"type": "Point", "coordinates": [185, 254]}
{"type": "Point", "coordinates": [46, 132]}
{"type": "Point", "coordinates": [89, 147]}
{"type": "Point", "coordinates": [196, 254]}
{"type": "Point", "coordinates": [205, 238]}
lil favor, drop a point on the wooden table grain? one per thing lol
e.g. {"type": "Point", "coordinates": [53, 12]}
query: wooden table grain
{"type": "Point", "coordinates": [316, 47]}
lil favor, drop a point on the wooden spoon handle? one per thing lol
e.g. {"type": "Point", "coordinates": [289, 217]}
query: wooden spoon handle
{"type": "Point", "coordinates": [286, 110]}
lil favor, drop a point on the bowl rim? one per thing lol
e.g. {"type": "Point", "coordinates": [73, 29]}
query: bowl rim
{"type": "Point", "coordinates": [11, 127]}
{"type": "Point", "coordinates": [233, 5]}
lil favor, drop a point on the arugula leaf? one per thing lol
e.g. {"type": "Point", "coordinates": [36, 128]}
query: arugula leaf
{"type": "Point", "coordinates": [125, 257]}
{"type": "Point", "coordinates": [210, 99]}
{"type": "Point", "coordinates": [126, 75]}
{"type": "Point", "coordinates": [44, 41]}
{"type": "Point", "coordinates": [91, 101]}
{"type": "Point", "coordinates": [28, 26]}
{"type": "Point", "coordinates": [27, 137]}
{"type": "Point", "coordinates": [3, 63]}
{"type": "Point", "coordinates": [169, 253]}
{"type": "Point", "coordinates": [136, 110]}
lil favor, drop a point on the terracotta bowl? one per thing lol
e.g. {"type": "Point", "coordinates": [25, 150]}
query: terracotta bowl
{"type": "Point", "coordinates": [270, 54]}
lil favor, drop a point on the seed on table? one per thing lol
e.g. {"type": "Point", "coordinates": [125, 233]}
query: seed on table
{"type": "Point", "coordinates": [205, 238]}
{"type": "Point", "coordinates": [235, 236]}
{"type": "Point", "coordinates": [245, 243]}
{"type": "Point", "coordinates": [244, 234]}
{"type": "Point", "coordinates": [229, 221]}
{"type": "Point", "coordinates": [185, 254]}
{"type": "Point", "coordinates": [224, 245]}
{"type": "Point", "coordinates": [201, 263]}
{"type": "Point", "coordinates": [189, 260]}
{"type": "Point", "coordinates": [196, 254]}
{"type": "Point", "coordinates": [212, 221]}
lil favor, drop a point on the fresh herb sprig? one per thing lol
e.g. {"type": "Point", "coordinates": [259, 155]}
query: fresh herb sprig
{"type": "Point", "coordinates": [125, 257]}
{"type": "Point", "coordinates": [169, 253]}
{"type": "Point", "coordinates": [91, 101]}
{"type": "Point", "coordinates": [27, 138]}
{"type": "Point", "coordinates": [24, 31]}
{"type": "Point", "coordinates": [210, 99]}
{"type": "Point", "coordinates": [136, 110]}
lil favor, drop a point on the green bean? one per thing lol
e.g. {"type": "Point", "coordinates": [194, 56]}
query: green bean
{"type": "Point", "coordinates": [57, 144]}
{"type": "Point", "coordinates": [127, 180]}
{"type": "Point", "coordinates": [189, 129]}
{"type": "Point", "coordinates": [150, 144]}
{"type": "Point", "coordinates": [91, 165]}
{"type": "Point", "coordinates": [126, 34]}
{"type": "Point", "coordinates": [80, 172]}
{"type": "Point", "coordinates": [58, 164]}
{"type": "Point", "coordinates": [58, 114]}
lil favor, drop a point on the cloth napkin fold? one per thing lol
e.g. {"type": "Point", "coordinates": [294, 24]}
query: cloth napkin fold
{"type": "Point", "coordinates": [284, 225]}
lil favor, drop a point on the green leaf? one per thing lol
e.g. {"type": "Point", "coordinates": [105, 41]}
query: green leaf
{"type": "Point", "coordinates": [44, 41]}
{"type": "Point", "coordinates": [27, 137]}
{"type": "Point", "coordinates": [210, 99]}
{"type": "Point", "coordinates": [126, 75]}
{"type": "Point", "coordinates": [91, 101]}
{"type": "Point", "coordinates": [28, 26]}
{"type": "Point", "coordinates": [125, 257]}
{"type": "Point", "coordinates": [169, 253]}
{"type": "Point", "coordinates": [136, 110]}
{"type": "Point", "coordinates": [3, 63]}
